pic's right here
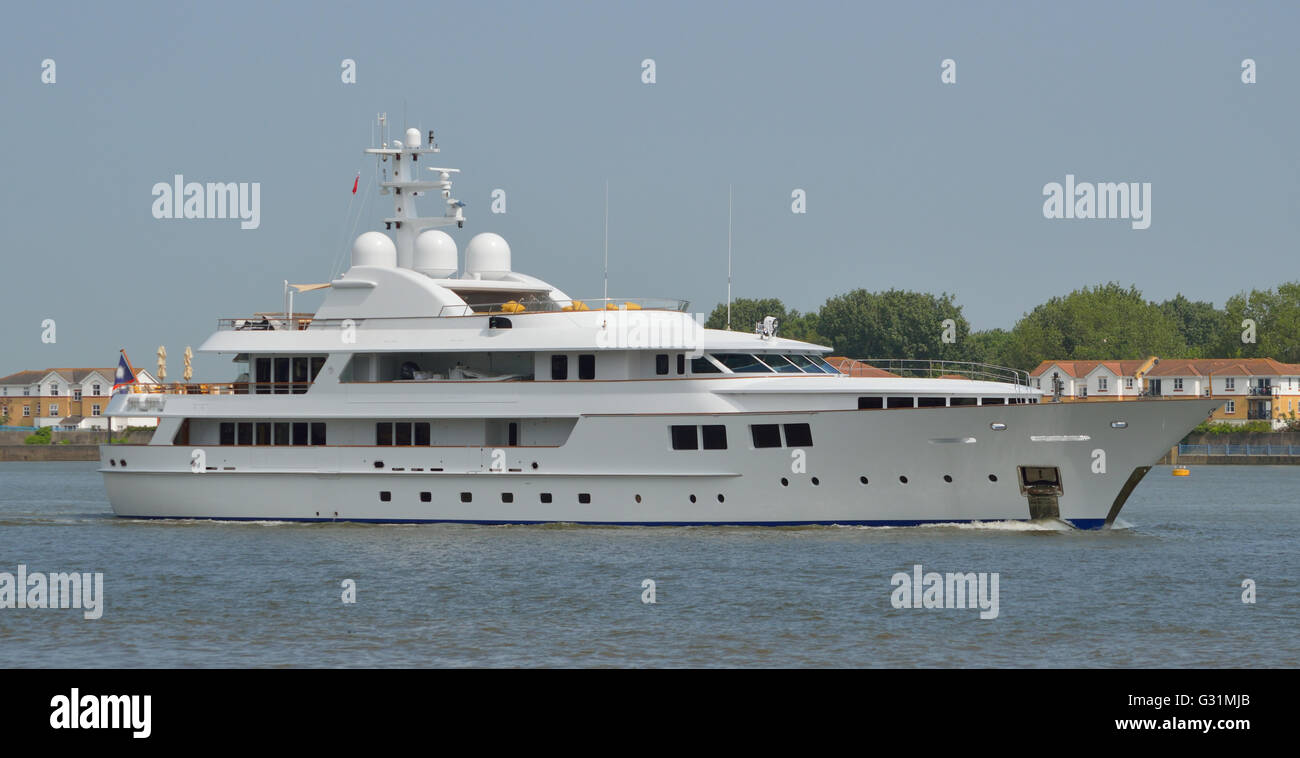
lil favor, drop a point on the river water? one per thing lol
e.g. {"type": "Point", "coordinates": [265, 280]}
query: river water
{"type": "Point", "coordinates": [1165, 590]}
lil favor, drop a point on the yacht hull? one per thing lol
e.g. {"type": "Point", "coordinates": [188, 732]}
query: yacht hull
{"type": "Point", "coordinates": [874, 467]}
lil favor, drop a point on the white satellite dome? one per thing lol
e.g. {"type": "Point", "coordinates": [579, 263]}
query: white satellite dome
{"type": "Point", "coordinates": [435, 254]}
{"type": "Point", "coordinates": [374, 249]}
{"type": "Point", "coordinates": [487, 256]}
{"type": "Point", "coordinates": [412, 137]}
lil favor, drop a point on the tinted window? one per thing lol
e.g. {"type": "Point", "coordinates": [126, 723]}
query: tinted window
{"type": "Point", "coordinates": [798, 435]}
{"type": "Point", "coordinates": [742, 363]}
{"type": "Point", "coordinates": [715, 436]}
{"type": "Point", "coordinates": [661, 363]}
{"type": "Point", "coordinates": [245, 433]}
{"type": "Point", "coordinates": [317, 433]}
{"type": "Point", "coordinates": [422, 432]}
{"type": "Point", "coordinates": [586, 367]}
{"type": "Point", "coordinates": [681, 363]}
{"type": "Point", "coordinates": [402, 433]}
{"type": "Point", "coordinates": [300, 435]}
{"type": "Point", "coordinates": [823, 365]}
{"type": "Point", "coordinates": [994, 401]}
{"type": "Point", "coordinates": [802, 362]}
{"type": "Point", "coordinates": [899, 402]}
{"type": "Point", "coordinates": [702, 365]}
{"type": "Point", "coordinates": [685, 438]}
{"type": "Point", "coordinates": [263, 433]}
{"type": "Point", "coordinates": [930, 402]}
{"type": "Point", "coordinates": [384, 433]}
{"type": "Point", "coordinates": [865, 403]}
{"type": "Point", "coordinates": [766, 435]}
{"type": "Point", "coordinates": [227, 433]}
{"type": "Point", "coordinates": [961, 401]}
{"type": "Point", "coordinates": [282, 433]}
{"type": "Point", "coordinates": [559, 367]}
{"type": "Point", "coordinates": [780, 365]}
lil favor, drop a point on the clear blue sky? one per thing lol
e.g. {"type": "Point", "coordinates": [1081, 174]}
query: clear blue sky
{"type": "Point", "coordinates": [910, 183]}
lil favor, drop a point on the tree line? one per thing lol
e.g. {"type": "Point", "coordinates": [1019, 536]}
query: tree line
{"type": "Point", "coordinates": [1102, 322]}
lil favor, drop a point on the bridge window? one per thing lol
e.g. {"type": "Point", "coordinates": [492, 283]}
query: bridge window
{"type": "Point", "coordinates": [870, 403]}
{"type": "Point", "coordinates": [962, 401]}
{"type": "Point", "coordinates": [895, 401]}
{"type": "Point", "coordinates": [930, 402]}
{"type": "Point", "coordinates": [703, 365]}
{"type": "Point", "coordinates": [743, 363]}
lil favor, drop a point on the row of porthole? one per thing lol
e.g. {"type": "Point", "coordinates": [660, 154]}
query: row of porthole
{"type": "Point", "coordinates": [121, 462]}
{"type": "Point", "coordinates": [902, 480]}
{"type": "Point", "coordinates": [386, 496]}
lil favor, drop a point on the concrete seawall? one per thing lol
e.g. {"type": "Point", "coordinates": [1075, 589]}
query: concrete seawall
{"type": "Point", "coordinates": [81, 445]}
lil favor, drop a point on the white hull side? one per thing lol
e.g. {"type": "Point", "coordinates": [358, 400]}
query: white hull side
{"type": "Point", "coordinates": [627, 467]}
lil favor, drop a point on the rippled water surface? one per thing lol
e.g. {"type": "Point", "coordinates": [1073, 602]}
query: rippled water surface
{"type": "Point", "coordinates": [1163, 591]}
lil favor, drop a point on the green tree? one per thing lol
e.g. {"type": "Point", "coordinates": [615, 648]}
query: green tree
{"type": "Point", "coordinates": [1095, 323]}
{"type": "Point", "coordinates": [1276, 317]}
{"type": "Point", "coordinates": [989, 346]}
{"type": "Point", "coordinates": [1199, 323]}
{"type": "Point", "coordinates": [894, 324]}
{"type": "Point", "coordinates": [746, 312]}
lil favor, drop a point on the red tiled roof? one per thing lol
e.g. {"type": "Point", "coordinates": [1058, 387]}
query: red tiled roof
{"type": "Point", "coordinates": [73, 375]}
{"type": "Point", "coordinates": [1083, 368]}
{"type": "Point", "coordinates": [1221, 366]}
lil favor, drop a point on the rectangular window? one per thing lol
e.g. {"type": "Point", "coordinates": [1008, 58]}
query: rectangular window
{"type": "Point", "coordinates": [318, 433]}
{"type": "Point", "coordinates": [282, 433]}
{"type": "Point", "coordinates": [316, 364]}
{"type": "Point", "coordinates": [1178, 385]}
{"type": "Point", "coordinates": [896, 401]}
{"type": "Point", "coordinates": [385, 496]}
{"type": "Point", "coordinates": [94, 388]}
{"type": "Point", "coordinates": [94, 410]}
{"type": "Point", "coordinates": [300, 433]}
{"type": "Point", "coordinates": [715, 436]}
{"type": "Point", "coordinates": [1103, 384]}
{"type": "Point", "coordinates": [507, 497]}
{"type": "Point", "coordinates": [281, 376]}
{"type": "Point", "coordinates": [584, 497]}
{"type": "Point", "coordinates": [961, 401]}
{"type": "Point", "coordinates": [402, 433]}
{"type": "Point", "coordinates": [661, 363]}
{"type": "Point", "coordinates": [1230, 383]}
{"type": "Point", "coordinates": [703, 365]}
{"type": "Point", "coordinates": [1083, 390]}
{"type": "Point", "coordinates": [870, 403]}
{"type": "Point", "coordinates": [245, 432]}
{"type": "Point", "coordinates": [467, 497]}
{"type": "Point", "coordinates": [545, 497]}
{"type": "Point", "coordinates": [226, 433]}
{"type": "Point", "coordinates": [76, 394]}
{"type": "Point", "coordinates": [27, 410]}
{"type": "Point", "coordinates": [684, 437]}
{"type": "Point", "coordinates": [422, 436]}
{"type": "Point", "coordinates": [930, 402]}
{"type": "Point", "coordinates": [559, 367]}
{"type": "Point", "coordinates": [54, 390]}
{"type": "Point", "coordinates": [426, 497]}
{"type": "Point", "coordinates": [301, 367]}
{"type": "Point", "coordinates": [54, 409]}
{"type": "Point", "coordinates": [586, 367]}
{"type": "Point", "coordinates": [263, 433]}
{"type": "Point", "coordinates": [262, 375]}
{"type": "Point", "coordinates": [1230, 407]}
{"type": "Point", "coordinates": [384, 433]}
{"type": "Point", "coordinates": [681, 364]}
{"type": "Point", "coordinates": [765, 435]}
{"type": "Point", "coordinates": [993, 401]}
{"type": "Point", "coordinates": [1128, 382]}
{"type": "Point", "coordinates": [798, 435]}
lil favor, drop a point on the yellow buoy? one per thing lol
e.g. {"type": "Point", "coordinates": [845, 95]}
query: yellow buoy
{"type": "Point", "coordinates": [513, 306]}
{"type": "Point", "coordinates": [1180, 471]}
{"type": "Point", "coordinates": [632, 306]}
{"type": "Point", "coordinates": [576, 305]}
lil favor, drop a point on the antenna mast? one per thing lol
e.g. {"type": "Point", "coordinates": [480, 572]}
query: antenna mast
{"type": "Point", "coordinates": [728, 257]}
{"type": "Point", "coordinates": [605, 296]}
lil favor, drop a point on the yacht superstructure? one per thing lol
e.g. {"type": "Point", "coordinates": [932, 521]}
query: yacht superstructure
{"type": "Point", "coordinates": [424, 390]}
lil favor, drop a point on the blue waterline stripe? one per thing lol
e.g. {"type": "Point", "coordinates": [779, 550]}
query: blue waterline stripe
{"type": "Point", "coordinates": [1090, 523]}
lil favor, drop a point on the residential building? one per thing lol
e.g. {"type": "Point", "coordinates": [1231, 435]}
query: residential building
{"type": "Point", "coordinates": [68, 398]}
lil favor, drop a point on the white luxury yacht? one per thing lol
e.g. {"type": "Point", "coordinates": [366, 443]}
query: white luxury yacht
{"type": "Point", "coordinates": [424, 391]}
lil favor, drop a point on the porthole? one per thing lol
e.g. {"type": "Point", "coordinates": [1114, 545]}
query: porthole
{"type": "Point", "coordinates": [947, 478]}
{"type": "Point", "coordinates": [721, 499]}
{"type": "Point", "coordinates": [993, 477]}
{"type": "Point", "coordinates": [122, 463]}
{"type": "Point", "coordinates": [545, 497]}
{"type": "Point", "coordinates": [112, 462]}
{"type": "Point", "coordinates": [692, 498]}
{"type": "Point", "coordinates": [584, 497]}
{"type": "Point", "coordinates": [638, 498]}
{"type": "Point", "coordinates": [507, 497]}
{"type": "Point", "coordinates": [385, 496]}
{"type": "Point", "coordinates": [466, 497]}
{"type": "Point", "coordinates": [998, 426]}
{"type": "Point", "coordinates": [785, 482]}
{"type": "Point", "coordinates": [862, 479]}
{"type": "Point", "coordinates": [1119, 425]}
{"type": "Point", "coordinates": [534, 465]}
{"type": "Point", "coordinates": [426, 497]}
{"type": "Point", "coordinates": [816, 481]}
{"type": "Point", "coordinates": [902, 479]}
{"type": "Point", "coordinates": [379, 464]}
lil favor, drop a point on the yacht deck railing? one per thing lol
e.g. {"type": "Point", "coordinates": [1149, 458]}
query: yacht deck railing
{"type": "Point", "coordinates": [935, 369]}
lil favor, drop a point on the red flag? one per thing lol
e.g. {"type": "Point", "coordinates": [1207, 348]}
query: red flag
{"type": "Point", "coordinates": [354, 184]}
